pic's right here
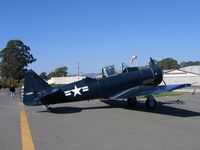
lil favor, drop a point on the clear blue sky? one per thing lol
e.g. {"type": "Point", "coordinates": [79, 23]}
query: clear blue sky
{"type": "Point", "coordinates": [102, 32]}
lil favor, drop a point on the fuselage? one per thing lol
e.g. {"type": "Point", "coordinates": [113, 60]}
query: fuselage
{"type": "Point", "coordinates": [105, 87]}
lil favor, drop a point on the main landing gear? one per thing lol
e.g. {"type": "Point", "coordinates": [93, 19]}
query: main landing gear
{"type": "Point", "coordinates": [132, 101]}
{"type": "Point", "coordinates": [150, 102]}
{"type": "Point", "coordinates": [49, 109]}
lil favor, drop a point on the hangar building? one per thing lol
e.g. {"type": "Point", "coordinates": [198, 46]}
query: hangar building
{"type": "Point", "coordinates": [64, 80]}
{"type": "Point", "coordinates": [189, 74]}
{"type": "Point", "coordinates": [193, 69]}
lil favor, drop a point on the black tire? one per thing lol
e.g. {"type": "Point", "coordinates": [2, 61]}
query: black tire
{"type": "Point", "coordinates": [151, 104]}
{"type": "Point", "coordinates": [49, 109]}
{"type": "Point", "coordinates": [132, 101]}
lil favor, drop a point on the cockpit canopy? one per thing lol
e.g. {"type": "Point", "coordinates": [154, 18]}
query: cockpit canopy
{"type": "Point", "coordinates": [109, 71]}
{"type": "Point", "coordinates": [150, 74]}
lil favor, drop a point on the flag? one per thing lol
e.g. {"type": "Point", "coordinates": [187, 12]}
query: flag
{"type": "Point", "coordinates": [133, 58]}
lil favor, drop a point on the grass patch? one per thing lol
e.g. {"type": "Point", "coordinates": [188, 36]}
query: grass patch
{"type": "Point", "coordinates": [55, 85]}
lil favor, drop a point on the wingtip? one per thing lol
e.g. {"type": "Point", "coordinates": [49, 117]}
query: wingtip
{"type": "Point", "coordinates": [187, 85]}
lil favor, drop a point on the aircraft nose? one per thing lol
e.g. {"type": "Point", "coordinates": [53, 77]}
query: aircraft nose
{"type": "Point", "coordinates": [158, 73]}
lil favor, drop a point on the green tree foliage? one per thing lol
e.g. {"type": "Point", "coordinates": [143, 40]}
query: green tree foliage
{"type": "Point", "coordinates": [1, 84]}
{"type": "Point", "coordinates": [15, 57]}
{"type": "Point", "coordinates": [59, 72]}
{"type": "Point", "coordinates": [189, 63]}
{"type": "Point", "coordinates": [43, 75]}
{"type": "Point", "coordinates": [168, 63]}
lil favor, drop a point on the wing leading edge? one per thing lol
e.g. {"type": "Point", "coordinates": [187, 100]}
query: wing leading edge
{"type": "Point", "coordinates": [147, 90]}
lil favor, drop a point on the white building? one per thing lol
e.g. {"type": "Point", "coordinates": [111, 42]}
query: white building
{"type": "Point", "coordinates": [64, 80]}
{"type": "Point", "coordinates": [193, 69]}
{"type": "Point", "coordinates": [177, 76]}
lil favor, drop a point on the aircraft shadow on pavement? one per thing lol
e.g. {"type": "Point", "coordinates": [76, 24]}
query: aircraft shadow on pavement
{"type": "Point", "coordinates": [63, 110]}
{"type": "Point", "coordinates": [71, 110]}
{"type": "Point", "coordinates": [162, 108]}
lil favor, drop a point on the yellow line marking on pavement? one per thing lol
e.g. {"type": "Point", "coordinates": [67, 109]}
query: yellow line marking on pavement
{"type": "Point", "coordinates": [27, 142]}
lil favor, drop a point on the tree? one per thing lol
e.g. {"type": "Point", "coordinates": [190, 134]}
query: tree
{"type": "Point", "coordinates": [1, 85]}
{"type": "Point", "coordinates": [43, 75]}
{"type": "Point", "coordinates": [15, 57]}
{"type": "Point", "coordinates": [59, 72]}
{"type": "Point", "coordinates": [189, 63]}
{"type": "Point", "coordinates": [168, 63]}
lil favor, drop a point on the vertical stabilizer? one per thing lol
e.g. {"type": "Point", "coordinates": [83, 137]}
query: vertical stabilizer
{"type": "Point", "coordinates": [35, 88]}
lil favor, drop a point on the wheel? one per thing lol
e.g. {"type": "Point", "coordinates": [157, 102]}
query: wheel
{"type": "Point", "coordinates": [132, 101]}
{"type": "Point", "coordinates": [151, 102]}
{"type": "Point", "coordinates": [49, 109]}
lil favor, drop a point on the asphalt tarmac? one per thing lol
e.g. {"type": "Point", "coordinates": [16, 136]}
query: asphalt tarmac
{"type": "Point", "coordinates": [105, 125]}
{"type": "Point", "coordinates": [10, 137]}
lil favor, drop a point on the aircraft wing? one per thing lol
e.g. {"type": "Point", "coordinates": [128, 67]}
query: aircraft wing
{"type": "Point", "coordinates": [147, 90]}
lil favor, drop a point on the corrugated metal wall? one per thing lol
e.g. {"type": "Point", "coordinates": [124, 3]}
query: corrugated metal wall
{"type": "Point", "coordinates": [182, 79]}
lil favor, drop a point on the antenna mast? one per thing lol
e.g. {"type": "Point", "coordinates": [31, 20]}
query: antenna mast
{"type": "Point", "coordinates": [78, 70]}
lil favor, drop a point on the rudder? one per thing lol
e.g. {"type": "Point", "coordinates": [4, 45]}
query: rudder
{"type": "Point", "coordinates": [34, 89]}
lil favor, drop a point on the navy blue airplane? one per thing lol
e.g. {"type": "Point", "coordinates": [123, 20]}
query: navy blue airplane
{"type": "Point", "coordinates": [130, 83]}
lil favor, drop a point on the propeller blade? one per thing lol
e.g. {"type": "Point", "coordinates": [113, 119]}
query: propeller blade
{"type": "Point", "coordinates": [164, 82]}
{"type": "Point", "coordinates": [194, 91]}
{"type": "Point", "coordinates": [152, 61]}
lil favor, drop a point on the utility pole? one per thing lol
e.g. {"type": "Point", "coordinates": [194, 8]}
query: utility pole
{"type": "Point", "coordinates": [78, 70]}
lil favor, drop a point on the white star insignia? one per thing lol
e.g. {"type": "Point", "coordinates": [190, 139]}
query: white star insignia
{"type": "Point", "coordinates": [76, 91]}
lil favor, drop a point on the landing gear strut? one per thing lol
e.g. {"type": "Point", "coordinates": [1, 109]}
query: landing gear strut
{"type": "Point", "coordinates": [151, 102]}
{"type": "Point", "coordinates": [49, 109]}
{"type": "Point", "coordinates": [132, 101]}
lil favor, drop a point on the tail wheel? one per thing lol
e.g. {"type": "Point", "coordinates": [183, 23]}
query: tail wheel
{"type": "Point", "coordinates": [49, 109]}
{"type": "Point", "coordinates": [151, 102]}
{"type": "Point", "coordinates": [132, 101]}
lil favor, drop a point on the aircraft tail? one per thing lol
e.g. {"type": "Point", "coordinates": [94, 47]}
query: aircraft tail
{"type": "Point", "coordinates": [35, 89]}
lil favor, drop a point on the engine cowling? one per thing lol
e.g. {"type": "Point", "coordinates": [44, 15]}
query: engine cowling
{"type": "Point", "coordinates": [151, 75]}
